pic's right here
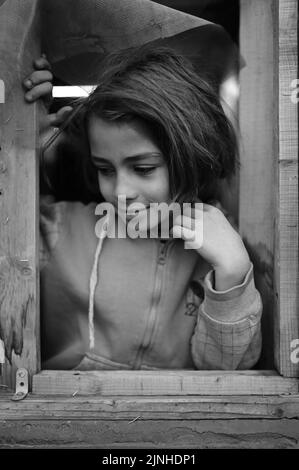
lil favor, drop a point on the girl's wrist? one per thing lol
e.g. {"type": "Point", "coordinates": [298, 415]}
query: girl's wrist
{"type": "Point", "coordinates": [227, 277]}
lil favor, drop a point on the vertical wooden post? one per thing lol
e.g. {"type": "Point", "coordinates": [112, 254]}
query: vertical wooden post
{"type": "Point", "coordinates": [259, 151]}
{"type": "Point", "coordinates": [19, 292]}
{"type": "Point", "coordinates": [286, 267]}
{"type": "Point", "coordinates": [269, 173]}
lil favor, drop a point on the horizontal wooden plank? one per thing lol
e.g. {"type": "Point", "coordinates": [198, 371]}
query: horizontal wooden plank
{"type": "Point", "coordinates": [133, 408]}
{"type": "Point", "coordinates": [206, 434]}
{"type": "Point", "coordinates": [106, 383]}
{"type": "Point", "coordinates": [151, 422]}
{"type": "Point", "coordinates": [203, 422]}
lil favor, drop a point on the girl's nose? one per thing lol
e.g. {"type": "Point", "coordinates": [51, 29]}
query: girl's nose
{"type": "Point", "coordinates": [124, 187]}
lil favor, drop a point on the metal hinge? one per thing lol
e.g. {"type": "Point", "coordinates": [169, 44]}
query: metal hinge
{"type": "Point", "coordinates": [21, 385]}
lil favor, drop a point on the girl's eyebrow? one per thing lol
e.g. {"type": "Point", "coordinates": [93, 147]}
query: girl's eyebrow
{"type": "Point", "coordinates": [134, 158]}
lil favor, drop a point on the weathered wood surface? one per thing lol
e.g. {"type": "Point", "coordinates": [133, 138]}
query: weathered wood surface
{"type": "Point", "coordinates": [154, 434]}
{"type": "Point", "coordinates": [19, 295]}
{"type": "Point", "coordinates": [46, 407]}
{"type": "Point", "coordinates": [287, 265]}
{"type": "Point", "coordinates": [258, 152]}
{"type": "Point", "coordinates": [269, 174]}
{"type": "Point", "coordinates": [106, 383]}
{"type": "Point", "coordinates": [164, 422]}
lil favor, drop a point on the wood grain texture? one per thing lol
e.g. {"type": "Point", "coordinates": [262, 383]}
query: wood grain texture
{"type": "Point", "coordinates": [127, 408]}
{"type": "Point", "coordinates": [258, 152]}
{"type": "Point", "coordinates": [106, 383]}
{"type": "Point", "coordinates": [19, 295]}
{"type": "Point", "coordinates": [155, 422]}
{"type": "Point", "coordinates": [154, 434]}
{"type": "Point", "coordinates": [286, 267]}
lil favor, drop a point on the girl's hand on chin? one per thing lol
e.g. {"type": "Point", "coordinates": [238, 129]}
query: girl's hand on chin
{"type": "Point", "coordinates": [206, 229]}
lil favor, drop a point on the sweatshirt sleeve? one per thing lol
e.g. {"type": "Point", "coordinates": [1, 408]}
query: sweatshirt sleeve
{"type": "Point", "coordinates": [227, 335]}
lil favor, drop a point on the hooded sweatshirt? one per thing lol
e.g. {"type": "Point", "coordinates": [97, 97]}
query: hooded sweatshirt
{"type": "Point", "coordinates": [144, 303]}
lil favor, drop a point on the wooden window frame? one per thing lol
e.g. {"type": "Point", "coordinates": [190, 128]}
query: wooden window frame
{"type": "Point", "coordinates": [268, 217]}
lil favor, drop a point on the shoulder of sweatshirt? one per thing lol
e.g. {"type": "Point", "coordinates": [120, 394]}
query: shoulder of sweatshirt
{"type": "Point", "coordinates": [58, 217]}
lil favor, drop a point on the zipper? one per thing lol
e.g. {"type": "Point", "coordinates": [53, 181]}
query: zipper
{"type": "Point", "coordinates": [148, 334]}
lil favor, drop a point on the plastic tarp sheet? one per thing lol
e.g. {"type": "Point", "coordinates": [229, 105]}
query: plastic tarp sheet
{"type": "Point", "coordinates": [77, 34]}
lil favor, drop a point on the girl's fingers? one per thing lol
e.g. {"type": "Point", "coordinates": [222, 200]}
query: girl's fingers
{"type": "Point", "coordinates": [182, 232]}
{"type": "Point", "coordinates": [191, 223]}
{"type": "Point", "coordinates": [56, 119]}
{"type": "Point", "coordinates": [190, 230]}
{"type": "Point", "coordinates": [38, 91]}
{"type": "Point", "coordinates": [62, 113]}
{"type": "Point", "coordinates": [196, 210]}
{"type": "Point", "coordinates": [193, 239]}
{"type": "Point", "coordinates": [38, 77]}
{"type": "Point", "coordinates": [184, 221]}
{"type": "Point", "coordinates": [42, 63]}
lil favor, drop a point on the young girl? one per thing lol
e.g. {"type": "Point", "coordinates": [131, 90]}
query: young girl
{"type": "Point", "coordinates": [154, 132]}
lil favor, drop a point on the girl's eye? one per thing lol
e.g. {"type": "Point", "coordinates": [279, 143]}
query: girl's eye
{"type": "Point", "coordinates": [106, 171]}
{"type": "Point", "coordinates": [144, 170]}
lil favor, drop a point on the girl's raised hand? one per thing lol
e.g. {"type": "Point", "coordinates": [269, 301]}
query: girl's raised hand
{"type": "Point", "coordinates": [38, 85]}
{"type": "Point", "coordinates": [207, 230]}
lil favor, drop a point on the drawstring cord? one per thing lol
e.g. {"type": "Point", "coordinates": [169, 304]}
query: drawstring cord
{"type": "Point", "coordinates": [93, 283]}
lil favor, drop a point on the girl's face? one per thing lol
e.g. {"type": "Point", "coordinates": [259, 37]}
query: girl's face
{"type": "Point", "coordinates": [128, 161]}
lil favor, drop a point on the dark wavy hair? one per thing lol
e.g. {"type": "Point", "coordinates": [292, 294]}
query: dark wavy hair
{"type": "Point", "coordinates": [183, 111]}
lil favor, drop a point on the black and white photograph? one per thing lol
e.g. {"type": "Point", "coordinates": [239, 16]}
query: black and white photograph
{"type": "Point", "coordinates": [149, 279]}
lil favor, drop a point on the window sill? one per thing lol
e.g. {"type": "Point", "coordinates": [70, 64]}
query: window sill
{"type": "Point", "coordinates": [157, 383]}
